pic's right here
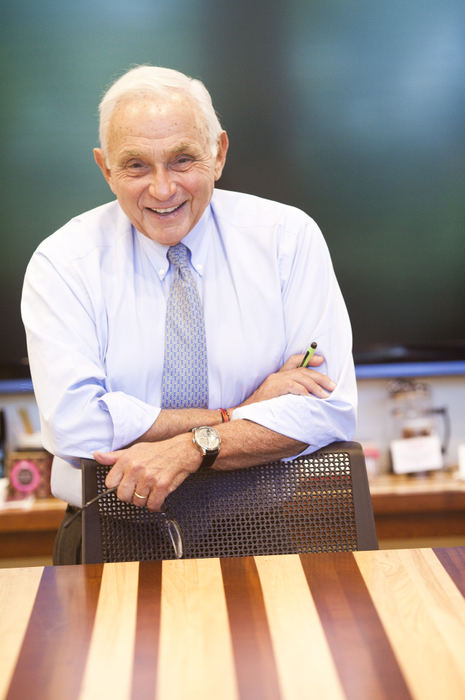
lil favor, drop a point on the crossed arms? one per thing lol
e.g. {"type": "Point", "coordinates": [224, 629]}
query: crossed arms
{"type": "Point", "coordinates": [159, 461]}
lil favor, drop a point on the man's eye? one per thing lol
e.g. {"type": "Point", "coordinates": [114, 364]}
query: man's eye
{"type": "Point", "coordinates": [183, 161]}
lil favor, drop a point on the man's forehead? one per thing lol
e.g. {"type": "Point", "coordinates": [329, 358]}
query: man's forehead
{"type": "Point", "coordinates": [157, 102]}
{"type": "Point", "coordinates": [146, 145]}
{"type": "Point", "coordinates": [149, 118]}
{"type": "Point", "coordinates": [150, 107]}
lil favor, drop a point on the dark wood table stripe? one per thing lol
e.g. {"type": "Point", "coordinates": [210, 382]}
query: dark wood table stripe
{"type": "Point", "coordinates": [453, 560]}
{"type": "Point", "coordinates": [147, 640]}
{"type": "Point", "coordinates": [56, 643]}
{"type": "Point", "coordinates": [257, 675]}
{"type": "Point", "coordinates": [365, 661]}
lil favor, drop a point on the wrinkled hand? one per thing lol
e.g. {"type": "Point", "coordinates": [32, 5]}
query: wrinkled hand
{"type": "Point", "coordinates": [292, 379]}
{"type": "Point", "coordinates": [151, 469]}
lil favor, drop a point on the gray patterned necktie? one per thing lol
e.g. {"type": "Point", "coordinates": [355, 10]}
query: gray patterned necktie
{"type": "Point", "coordinates": [185, 378]}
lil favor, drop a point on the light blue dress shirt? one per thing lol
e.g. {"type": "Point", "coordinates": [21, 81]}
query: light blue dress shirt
{"type": "Point", "coordinates": [93, 307]}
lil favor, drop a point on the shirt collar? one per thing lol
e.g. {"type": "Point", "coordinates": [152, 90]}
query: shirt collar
{"type": "Point", "coordinates": [196, 240]}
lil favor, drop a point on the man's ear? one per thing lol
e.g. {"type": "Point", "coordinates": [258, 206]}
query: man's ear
{"type": "Point", "coordinates": [223, 144]}
{"type": "Point", "coordinates": [101, 161]}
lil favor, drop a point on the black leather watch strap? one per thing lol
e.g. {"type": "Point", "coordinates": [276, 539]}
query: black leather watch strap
{"type": "Point", "coordinates": [209, 458]}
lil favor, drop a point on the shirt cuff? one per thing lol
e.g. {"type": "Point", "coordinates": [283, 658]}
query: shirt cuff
{"type": "Point", "coordinates": [316, 422]}
{"type": "Point", "coordinates": [130, 416]}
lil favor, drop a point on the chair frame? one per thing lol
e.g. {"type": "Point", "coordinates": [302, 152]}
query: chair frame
{"type": "Point", "coordinates": [362, 508]}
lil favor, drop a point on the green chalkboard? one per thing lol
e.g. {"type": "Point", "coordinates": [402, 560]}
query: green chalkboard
{"type": "Point", "coordinates": [351, 110]}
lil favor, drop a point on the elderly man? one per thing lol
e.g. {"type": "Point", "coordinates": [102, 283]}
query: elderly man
{"type": "Point", "coordinates": [166, 329]}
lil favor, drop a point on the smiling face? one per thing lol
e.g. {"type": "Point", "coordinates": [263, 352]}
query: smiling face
{"type": "Point", "coordinates": [159, 164]}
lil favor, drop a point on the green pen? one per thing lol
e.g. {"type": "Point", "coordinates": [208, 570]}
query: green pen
{"type": "Point", "coordinates": [309, 354]}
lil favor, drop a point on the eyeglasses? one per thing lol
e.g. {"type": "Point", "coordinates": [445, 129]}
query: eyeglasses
{"type": "Point", "coordinates": [175, 534]}
{"type": "Point", "coordinates": [172, 527]}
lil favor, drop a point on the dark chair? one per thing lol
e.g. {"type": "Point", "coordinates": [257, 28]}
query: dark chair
{"type": "Point", "coordinates": [316, 503]}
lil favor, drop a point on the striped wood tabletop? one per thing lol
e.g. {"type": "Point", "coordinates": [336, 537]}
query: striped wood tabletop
{"type": "Point", "coordinates": [380, 624]}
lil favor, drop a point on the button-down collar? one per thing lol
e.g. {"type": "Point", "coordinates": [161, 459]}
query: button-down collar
{"type": "Point", "coordinates": [196, 240]}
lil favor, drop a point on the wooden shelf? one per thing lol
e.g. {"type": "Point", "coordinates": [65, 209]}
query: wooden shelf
{"type": "Point", "coordinates": [410, 507]}
{"type": "Point", "coordinates": [30, 532]}
{"type": "Point", "coordinates": [406, 508]}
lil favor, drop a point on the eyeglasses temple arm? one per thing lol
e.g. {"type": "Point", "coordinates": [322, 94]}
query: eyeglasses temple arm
{"type": "Point", "coordinates": [89, 503]}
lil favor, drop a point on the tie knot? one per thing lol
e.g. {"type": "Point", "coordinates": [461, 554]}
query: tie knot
{"type": "Point", "coordinates": [178, 255]}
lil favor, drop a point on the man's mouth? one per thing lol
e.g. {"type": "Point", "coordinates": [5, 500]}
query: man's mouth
{"type": "Point", "coordinates": [164, 211]}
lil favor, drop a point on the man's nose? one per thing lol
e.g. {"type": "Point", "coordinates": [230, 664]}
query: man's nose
{"type": "Point", "coordinates": [162, 185]}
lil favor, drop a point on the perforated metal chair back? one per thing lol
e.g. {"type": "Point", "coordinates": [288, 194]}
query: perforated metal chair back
{"type": "Point", "coordinates": [316, 503]}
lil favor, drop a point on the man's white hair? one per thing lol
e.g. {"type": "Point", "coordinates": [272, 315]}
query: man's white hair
{"type": "Point", "coordinates": [158, 82]}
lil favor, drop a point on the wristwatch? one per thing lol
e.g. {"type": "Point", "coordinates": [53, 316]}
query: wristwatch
{"type": "Point", "coordinates": [208, 441]}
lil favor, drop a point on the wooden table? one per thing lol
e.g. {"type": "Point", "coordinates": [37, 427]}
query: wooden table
{"type": "Point", "coordinates": [380, 624]}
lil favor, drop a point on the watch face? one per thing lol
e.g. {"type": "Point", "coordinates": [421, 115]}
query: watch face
{"type": "Point", "coordinates": [208, 438]}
